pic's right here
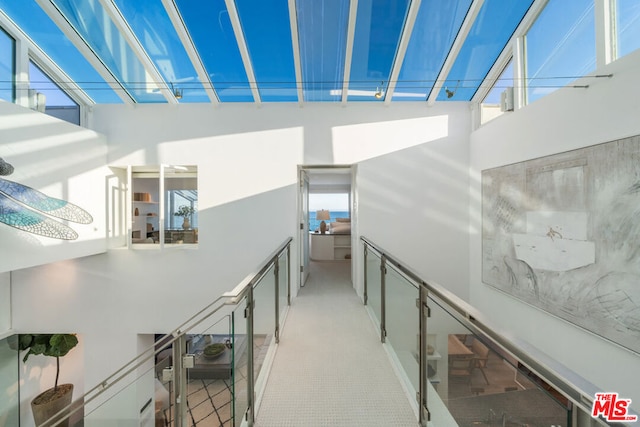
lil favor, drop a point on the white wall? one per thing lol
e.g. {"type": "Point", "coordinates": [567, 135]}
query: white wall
{"type": "Point", "coordinates": [247, 160]}
{"type": "Point", "coordinates": [414, 203]}
{"type": "Point", "coordinates": [63, 161]}
{"type": "Point", "coordinates": [565, 120]}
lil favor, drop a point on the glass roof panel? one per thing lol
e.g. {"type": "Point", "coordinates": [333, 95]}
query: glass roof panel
{"type": "Point", "coordinates": [504, 81]}
{"type": "Point", "coordinates": [628, 26]}
{"type": "Point", "coordinates": [41, 29]}
{"type": "Point", "coordinates": [7, 67]}
{"type": "Point", "coordinates": [492, 29]}
{"type": "Point", "coordinates": [149, 21]}
{"type": "Point", "coordinates": [267, 32]}
{"type": "Point", "coordinates": [55, 97]}
{"type": "Point", "coordinates": [378, 29]}
{"type": "Point", "coordinates": [92, 23]}
{"type": "Point", "coordinates": [436, 27]}
{"type": "Point", "coordinates": [210, 28]}
{"type": "Point", "coordinates": [560, 46]}
{"type": "Point", "coordinates": [322, 33]}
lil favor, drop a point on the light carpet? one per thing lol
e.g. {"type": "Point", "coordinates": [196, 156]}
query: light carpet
{"type": "Point", "coordinates": [330, 368]}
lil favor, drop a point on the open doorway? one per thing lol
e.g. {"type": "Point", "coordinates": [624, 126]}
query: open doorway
{"type": "Point", "coordinates": [327, 216]}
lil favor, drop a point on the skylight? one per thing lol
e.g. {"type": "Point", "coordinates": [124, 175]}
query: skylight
{"type": "Point", "coordinates": [219, 51]}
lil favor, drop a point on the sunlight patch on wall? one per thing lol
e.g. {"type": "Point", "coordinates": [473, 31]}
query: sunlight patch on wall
{"type": "Point", "coordinates": [237, 166]}
{"type": "Point", "coordinates": [355, 143]}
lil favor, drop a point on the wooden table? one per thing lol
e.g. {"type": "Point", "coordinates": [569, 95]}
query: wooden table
{"type": "Point", "coordinates": [456, 348]}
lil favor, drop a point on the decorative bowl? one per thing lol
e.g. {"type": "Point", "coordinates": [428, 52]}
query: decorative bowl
{"type": "Point", "coordinates": [213, 351]}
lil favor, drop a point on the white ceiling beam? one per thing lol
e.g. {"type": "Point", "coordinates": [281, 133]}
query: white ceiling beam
{"type": "Point", "coordinates": [43, 60]}
{"type": "Point", "coordinates": [351, 32]}
{"type": "Point", "coordinates": [125, 30]}
{"type": "Point", "coordinates": [405, 38]}
{"type": "Point", "coordinates": [244, 51]}
{"type": "Point", "coordinates": [508, 52]}
{"type": "Point", "coordinates": [85, 50]}
{"type": "Point", "coordinates": [295, 43]}
{"type": "Point", "coordinates": [472, 14]}
{"type": "Point", "coordinates": [190, 47]}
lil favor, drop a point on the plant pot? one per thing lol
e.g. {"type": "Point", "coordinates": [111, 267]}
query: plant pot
{"type": "Point", "coordinates": [48, 403]}
{"type": "Point", "coordinates": [185, 224]}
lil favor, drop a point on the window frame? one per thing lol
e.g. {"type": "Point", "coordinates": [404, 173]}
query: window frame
{"type": "Point", "coordinates": [159, 172]}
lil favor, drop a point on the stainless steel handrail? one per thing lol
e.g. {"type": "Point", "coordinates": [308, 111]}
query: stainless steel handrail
{"type": "Point", "coordinates": [473, 319]}
{"type": "Point", "coordinates": [228, 298]}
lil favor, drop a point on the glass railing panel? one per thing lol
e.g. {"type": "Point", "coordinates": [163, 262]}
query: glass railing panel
{"type": "Point", "coordinates": [143, 396]}
{"type": "Point", "coordinates": [374, 287]}
{"type": "Point", "coordinates": [283, 285]}
{"type": "Point", "coordinates": [481, 386]}
{"type": "Point", "coordinates": [403, 323]}
{"type": "Point", "coordinates": [240, 385]}
{"type": "Point", "coordinates": [209, 387]}
{"type": "Point", "coordinates": [145, 391]}
{"type": "Point", "coordinates": [264, 319]}
{"type": "Point", "coordinates": [9, 371]}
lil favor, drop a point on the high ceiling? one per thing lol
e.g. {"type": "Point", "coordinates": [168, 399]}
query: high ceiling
{"type": "Point", "coordinates": [261, 51]}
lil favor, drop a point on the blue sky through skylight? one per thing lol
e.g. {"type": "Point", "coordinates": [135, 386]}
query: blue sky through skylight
{"type": "Point", "coordinates": [378, 29]}
{"type": "Point", "coordinates": [210, 28]}
{"type": "Point", "coordinates": [149, 21]}
{"type": "Point", "coordinates": [564, 49]}
{"type": "Point", "coordinates": [322, 28]}
{"type": "Point", "coordinates": [267, 31]}
{"type": "Point", "coordinates": [35, 22]}
{"type": "Point", "coordinates": [435, 29]}
{"type": "Point", "coordinates": [494, 26]}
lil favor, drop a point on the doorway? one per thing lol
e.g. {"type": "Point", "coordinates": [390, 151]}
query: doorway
{"type": "Point", "coordinates": [327, 194]}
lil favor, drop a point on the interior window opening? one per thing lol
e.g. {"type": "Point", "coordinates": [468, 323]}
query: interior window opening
{"type": "Point", "coordinates": [168, 220]}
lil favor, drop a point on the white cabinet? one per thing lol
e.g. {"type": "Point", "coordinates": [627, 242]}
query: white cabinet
{"type": "Point", "coordinates": [342, 246]}
{"type": "Point", "coordinates": [330, 247]}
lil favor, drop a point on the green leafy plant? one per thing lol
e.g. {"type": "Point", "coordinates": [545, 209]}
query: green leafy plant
{"type": "Point", "coordinates": [185, 210]}
{"type": "Point", "coordinates": [53, 345]}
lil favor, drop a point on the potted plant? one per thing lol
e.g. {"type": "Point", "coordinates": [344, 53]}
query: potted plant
{"type": "Point", "coordinates": [185, 212]}
{"type": "Point", "coordinates": [50, 402]}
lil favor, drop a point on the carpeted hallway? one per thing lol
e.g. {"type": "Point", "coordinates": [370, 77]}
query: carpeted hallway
{"type": "Point", "coordinates": [330, 368]}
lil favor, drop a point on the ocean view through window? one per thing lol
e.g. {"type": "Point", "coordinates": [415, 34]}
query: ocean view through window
{"type": "Point", "coordinates": [336, 203]}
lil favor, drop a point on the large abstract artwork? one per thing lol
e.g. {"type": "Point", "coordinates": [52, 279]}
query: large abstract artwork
{"type": "Point", "coordinates": [563, 234]}
{"type": "Point", "coordinates": [30, 210]}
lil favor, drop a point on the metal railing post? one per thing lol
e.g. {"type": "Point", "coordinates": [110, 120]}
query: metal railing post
{"type": "Point", "coordinates": [180, 381]}
{"type": "Point", "coordinates": [276, 273]}
{"type": "Point", "coordinates": [383, 308]}
{"type": "Point", "coordinates": [289, 274]}
{"type": "Point", "coordinates": [423, 411]}
{"type": "Point", "coordinates": [366, 296]}
{"type": "Point", "coordinates": [250, 375]}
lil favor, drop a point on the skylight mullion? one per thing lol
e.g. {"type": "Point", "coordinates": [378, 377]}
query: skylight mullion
{"type": "Point", "coordinates": [89, 54]}
{"type": "Point", "coordinates": [295, 43]}
{"type": "Point", "coordinates": [187, 41]}
{"type": "Point", "coordinates": [606, 33]}
{"type": "Point", "coordinates": [209, 26]}
{"type": "Point", "coordinates": [125, 30]}
{"type": "Point", "coordinates": [455, 49]}
{"type": "Point", "coordinates": [511, 50]}
{"type": "Point", "coordinates": [412, 14]}
{"type": "Point", "coordinates": [242, 46]}
{"type": "Point", "coordinates": [351, 31]}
